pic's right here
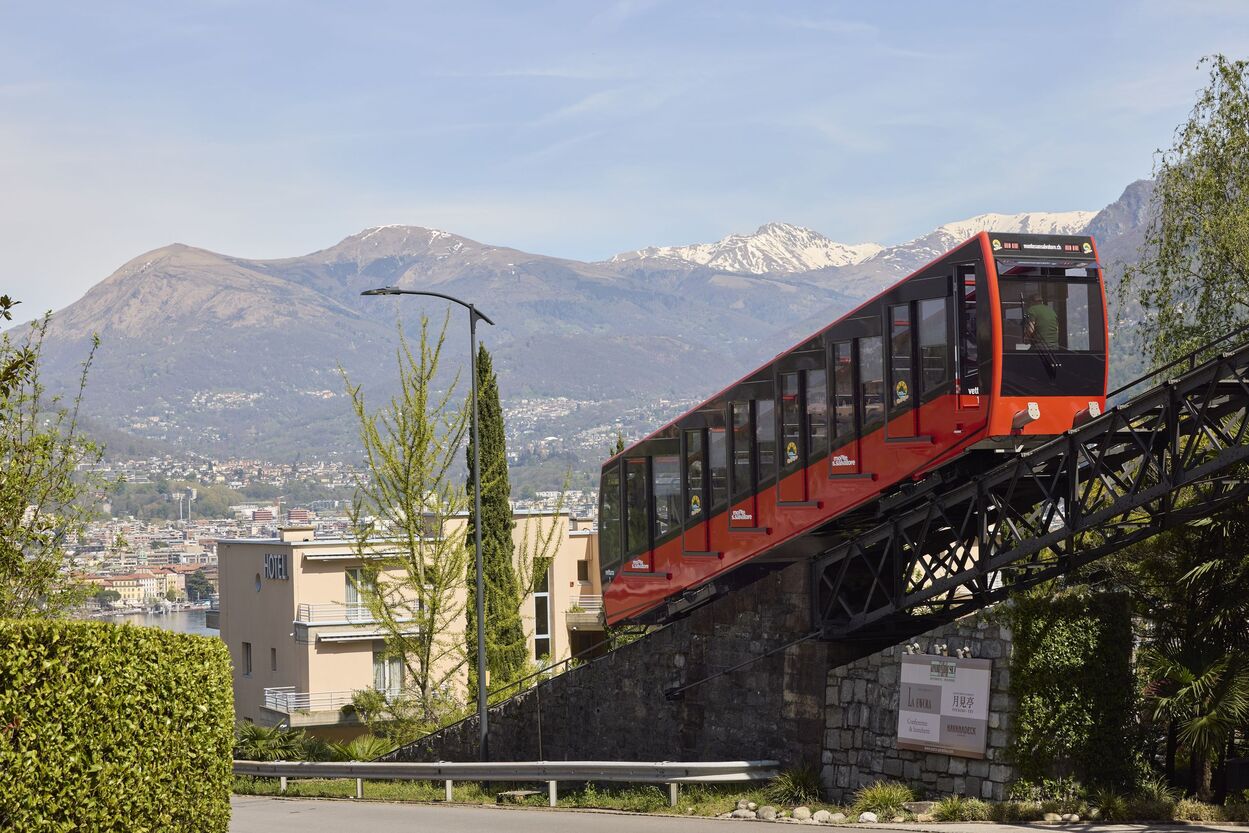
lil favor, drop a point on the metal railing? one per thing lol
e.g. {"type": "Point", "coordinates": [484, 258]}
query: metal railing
{"type": "Point", "coordinates": [589, 604]}
{"type": "Point", "coordinates": [552, 772]}
{"type": "Point", "coordinates": [287, 700]}
{"type": "Point", "coordinates": [333, 612]}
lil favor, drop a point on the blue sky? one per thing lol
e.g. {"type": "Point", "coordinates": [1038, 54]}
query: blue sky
{"type": "Point", "coordinates": [269, 129]}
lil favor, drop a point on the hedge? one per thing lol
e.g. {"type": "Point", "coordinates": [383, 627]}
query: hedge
{"type": "Point", "coordinates": [1071, 674]}
{"type": "Point", "coordinates": [113, 728]}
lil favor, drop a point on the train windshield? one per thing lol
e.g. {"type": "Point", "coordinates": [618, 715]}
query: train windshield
{"type": "Point", "coordinates": [1050, 308]}
{"type": "Point", "coordinates": [1053, 329]}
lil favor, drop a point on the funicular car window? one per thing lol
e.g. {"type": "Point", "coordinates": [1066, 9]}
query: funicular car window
{"type": "Point", "coordinates": [637, 538]}
{"type": "Point", "coordinates": [934, 343]}
{"type": "Point", "coordinates": [743, 451]}
{"type": "Point", "coordinates": [843, 392]}
{"type": "Point", "coordinates": [871, 383]}
{"type": "Point", "coordinates": [718, 459]}
{"type": "Point", "coordinates": [666, 488]}
{"type": "Point", "coordinates": [1049, 307]}
{"type": "Point", "coordinates": [817, 413]}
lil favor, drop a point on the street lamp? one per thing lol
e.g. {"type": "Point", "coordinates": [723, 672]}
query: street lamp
{"type": "Point", "coordinates": [473, 315]}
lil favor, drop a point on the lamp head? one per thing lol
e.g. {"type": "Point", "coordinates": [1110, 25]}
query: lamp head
{"type": "Point", "coordinates": [384, 290]}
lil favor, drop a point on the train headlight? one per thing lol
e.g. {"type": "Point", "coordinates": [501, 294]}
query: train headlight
{"type": "Point", "coordinates": [1093, 411]}
{"type": "Point", "coordinates": [1022, 418]}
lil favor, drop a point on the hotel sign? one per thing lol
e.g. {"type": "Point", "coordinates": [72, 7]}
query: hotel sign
{"type": "Point", "coordinates": [944, 705]}
{"type": "Point", "coordinates": [276, 566]}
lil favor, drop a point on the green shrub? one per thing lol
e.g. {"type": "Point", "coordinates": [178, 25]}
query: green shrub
{"type": "Point", "coordinates": [363, 748]}
{"type": "Point", "coordinates": [884, 798]}
{"type": "Point", "coordinates": [1071, 674]}
{"type": "Point", "coordinates": [113, 728]}
{"type": "Point", "coordinates": [958, 808]}
{"type": "Point", "coordinates": [795, 787]}
{"type": "Point", "coordinates": [1110, 804]}
{"type": "Point", "coordinates": [1190, 809]}
{"type": "Point", "coordinates": [1141, 808]}
{"type": "Point", "coordinates": [1013, 812]}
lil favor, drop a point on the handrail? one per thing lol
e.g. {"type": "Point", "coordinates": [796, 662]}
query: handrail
{"type": "Point", "coordinates": [671, 773]}
{"type": "Point", "coordinates": [1189, 358]}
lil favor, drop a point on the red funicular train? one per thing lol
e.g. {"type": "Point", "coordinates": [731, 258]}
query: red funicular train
{"type": "Point", "coordinates": [998, 342]}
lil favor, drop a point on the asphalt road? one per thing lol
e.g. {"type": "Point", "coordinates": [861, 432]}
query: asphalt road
{"type": "Point", "coordinates": [261, 814]}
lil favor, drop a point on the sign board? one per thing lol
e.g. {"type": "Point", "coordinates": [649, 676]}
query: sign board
{"type": "Point", "coordinates": [277, 566]}
{"type": "Point", "coordinates": [944, 705]}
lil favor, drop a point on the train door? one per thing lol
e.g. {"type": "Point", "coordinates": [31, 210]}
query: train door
{"type": "Point", "coordinates": [799, 376]}
{"type": "Point", "coordinates": [967, 380]}
{"type": "Point", "coordinates": [696, 490]}
{"type": "Point", "coordinates": [743, 508]}
{"type": "Point", "coordinates": [934, 340]}
{"type": "Point", "coordinates": [901, 391]}
{"type": "Point", "coordinates": [843, 439]}
{"type": "Point", "coordinates": [638, 555]}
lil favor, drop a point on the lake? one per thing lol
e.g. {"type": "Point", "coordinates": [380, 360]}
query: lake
{"type": "Point", "coordinates": [180, 621]}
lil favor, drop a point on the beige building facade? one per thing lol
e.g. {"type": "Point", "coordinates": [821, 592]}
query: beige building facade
{"type": "Point", "coordinates": [302, 642]}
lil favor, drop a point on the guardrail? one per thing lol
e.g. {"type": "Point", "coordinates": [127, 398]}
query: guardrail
{"type": "Point", "coordinates": [552, 772]}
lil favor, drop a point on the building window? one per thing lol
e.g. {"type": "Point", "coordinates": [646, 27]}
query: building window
{"type": "Point", "coordinates": [273, 659]}
{"type": "Point", "coordinates": [542, 620]}
{"type": "Point", "coordinates": [583, 570]}
{"type": "Point", "coordinates": [387, 671]}
{"type": "Point", "coordinates": [247, 659]}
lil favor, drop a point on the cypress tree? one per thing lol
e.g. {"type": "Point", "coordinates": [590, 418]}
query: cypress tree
{"type": "Point", "coordinates": [506, 648]}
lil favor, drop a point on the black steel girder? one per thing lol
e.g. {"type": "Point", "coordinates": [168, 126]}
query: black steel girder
{"type": "Point", "coordinates": [1098, 488]}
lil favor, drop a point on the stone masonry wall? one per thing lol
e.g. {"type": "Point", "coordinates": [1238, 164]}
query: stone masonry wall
{"type": "Point", "coordinates": [860, 736]}
{"type": "Point", "coordinates": [615, 707]}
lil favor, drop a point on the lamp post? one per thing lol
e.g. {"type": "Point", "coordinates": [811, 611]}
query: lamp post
{"type": "Point", "coordinates": [473, 315]}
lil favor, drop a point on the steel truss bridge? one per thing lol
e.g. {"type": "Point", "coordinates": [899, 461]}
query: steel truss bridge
{"type": "Point", "coordinates": [1168, 456]}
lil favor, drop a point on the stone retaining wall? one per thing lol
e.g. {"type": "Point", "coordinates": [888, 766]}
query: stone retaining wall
{"type": "Point", "coordinates": [615, 707]}
{"type": "Point", "coordinates": [861, 732]}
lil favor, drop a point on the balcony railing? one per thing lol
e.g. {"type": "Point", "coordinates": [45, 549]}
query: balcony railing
{"type": "Point", "coordinates": [333, 613]}
{"type": "Point", "coordinates": [287, 700]}
{"type": "Point", "coordinates": [585, 614]}
{"type": "Point", "coordinates": [324, 614]}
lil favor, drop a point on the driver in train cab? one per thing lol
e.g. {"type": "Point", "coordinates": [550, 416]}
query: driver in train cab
{"type": "Point", "coordinates": [1041, 324]}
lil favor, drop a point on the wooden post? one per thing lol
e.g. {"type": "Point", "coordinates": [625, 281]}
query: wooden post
{"type": "Point", "coordinates": [672, 794]}
{"type": "Point", "coordinates": [282, 785]}
{"type": "Point", "coordinates": [359, 788]}
{"type": "Point", "coordinates": [448, 785]}
{"type": "Point", "coordinates": [552, 792]}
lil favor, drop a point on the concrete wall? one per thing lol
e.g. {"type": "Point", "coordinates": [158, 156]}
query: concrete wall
{"type": "Point", "coordinates": [860, 735]}
{"type": "Point", "coordinates": [773, 708]}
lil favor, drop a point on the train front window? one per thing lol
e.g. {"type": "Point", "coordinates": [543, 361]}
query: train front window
{"type": "Point", "coordinates": [1053, 329]}
{"type": "Point", "coordinates": [1043, 314]}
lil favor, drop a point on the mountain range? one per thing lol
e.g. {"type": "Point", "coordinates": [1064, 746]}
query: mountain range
{"type": "Point", "coordinates": [222, 355]}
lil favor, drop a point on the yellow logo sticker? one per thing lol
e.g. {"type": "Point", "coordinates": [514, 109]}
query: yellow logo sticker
{"type": "Point", "coordinates": [791, 452]}
{"type": "Point", "coordinates": [901, 391]}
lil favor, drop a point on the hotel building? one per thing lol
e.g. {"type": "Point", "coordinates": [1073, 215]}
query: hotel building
{"type": "Point", "coordinates": [302, 642]}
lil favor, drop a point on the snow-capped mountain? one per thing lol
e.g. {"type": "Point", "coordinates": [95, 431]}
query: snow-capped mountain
{"type": "Point", "coordinates": [905, 257]}
{"type": "Point", "coordinates": [773, 248]}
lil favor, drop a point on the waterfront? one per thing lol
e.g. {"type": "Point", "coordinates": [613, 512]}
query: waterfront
{"type": "Point", "coordinates": [179, 621]}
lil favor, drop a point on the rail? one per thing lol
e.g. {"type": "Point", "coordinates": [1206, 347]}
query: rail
{"type": "Point", "coordinates": [1189, 361]}
{"type": "Point", "coordinates": [321, 614]}
{"type": "Point", "coordinates": [552, 772]}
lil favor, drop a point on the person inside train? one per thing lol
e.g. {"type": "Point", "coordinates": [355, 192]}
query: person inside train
{"type": "Point", "coordinates": [1040, 321]}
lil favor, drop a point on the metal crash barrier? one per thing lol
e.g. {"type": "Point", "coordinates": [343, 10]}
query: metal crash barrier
{"type": "Point", "coordinates": [552, 772]}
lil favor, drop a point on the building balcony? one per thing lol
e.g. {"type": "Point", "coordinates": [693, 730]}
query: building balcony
{"type": "Point", "coordinates": [586, 614]}
{"type": "Point", "coordinates": [332, 613]}
{"type": "Point", "coordinates": [309, 708]}
{"type": "Point", "coordinates": [335, 622]}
